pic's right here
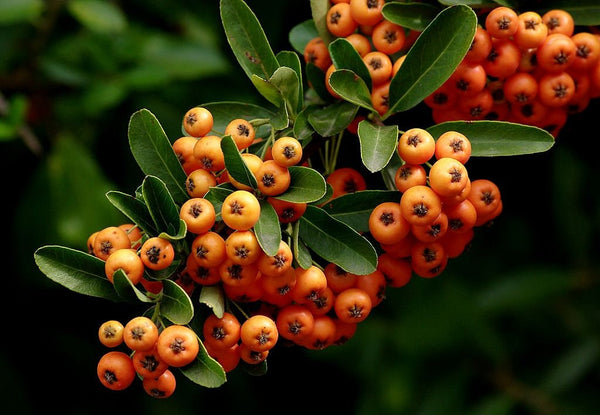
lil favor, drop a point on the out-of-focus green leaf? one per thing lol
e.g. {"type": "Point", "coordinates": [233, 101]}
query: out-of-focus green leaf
{"type": "Point", "coordinates": [585, 12]}
{"type": "Point", "coordinates": [17, 11]}
{"type": "Point", "coordinates": [98, 16]}
{"type": "Point", "coordinates": [572, 365]}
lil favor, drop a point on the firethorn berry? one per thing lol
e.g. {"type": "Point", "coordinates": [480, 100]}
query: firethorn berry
{"type": "Point", "coordinates": [409, 175]}
{"type": "Point", "coordinates": [501, 22]}
{"type": "Point", "coordinates": [339, 20]}
{"type": "Point", "coordinates": [245, 293]}
{"type": "Point", "coordinates": [160, 387]}
{"type": "Point", "coordinates": [272, 178]}
{"type": "Point", "coordinates": [108, 240]}
{"type": "Point", "coordinates": [416, 146]}
{"type": "Point", "coordinates": [277, 264]}
{"type": "Point", "coordinates": [345, 180]}
{"type": "Point", "coordinates": [199, 274]}
{"type": "Point", "coordinates": [184, 150]}
{"type": "Point", "coordinates": [420, 205]}
{"type": "Point", "coordinates": [338, 279]}
{"type": "Point", "coordinates": [252, 357]}
{"type": "Point", "coordinates": [503, 60]}
{"type": "Point", "coordinates": [460, 216]}
{"type": "Point", "coordinates": [481, 46]}
{"type": "Point", "coordinates": [443, 98]}
{"type": "Point", "coordinates": [476, 107]}
{"type": "Point", "coordinates": [253, 162]}
{"type": "Point", "coordinates": [352, 305]}
{"type": "Point", "coordinates": [343, 331]}
{"type": "Point", "coordinates": [426, 257]}
{"type": "Point", "coordinates": [240, 210]}
{"type": "Point", "coordinates": [432, 232]}
{"type": "Point", "coordinates": [468, 78]}
{"type": "Point", "coordinates": [367, 12]}
{"type": "Point", "coordinates": [134, 233]}
{"type": "Point", "coordinates": [453, 144]}
{"type": "Point", "coordinates": [360, 42]}
{"type": "Point", "coordinates": [140, 333]}
{"type": "Point", "coordinates": [455, 243]}
{"type": "Point", "coordinates": [559, 21]}
{"type": "Point", "coordinates": [287, 151]}
{"type": "Point", "coordinates": [308, 284]}
{"type": "Point", "coordinates": [294, 322]}
{"type": "Point", "coordinates": [110, 333]}
{"type": "Point", "coordinates": [386, 223]}
{"type": "Point", "coordinates": [374, 284]}
{"type": "Point", "coordinates": [485, 196]}
{"type": "Point", "coordinates": [242, 247]}
{"type": "Point", "coordinates": [237, 274]}
{"type": "Point", "coordinates": [531, 30]}
{"type": "Point", "coordinates": [198, 121]}
{"type": "Point", "coordinates": [316, 53]}
{"type": "Point", "coordinates": [556, 53]}
{"type": "Point", "coordinates": [221, 332]}
{"type": "Point", "coordinates": [198, 214]}
{"type": "Point", "coordinates": [287, 212]}
{"type": "Point", "coordinates": [587, 51]}
{"type": "Point", "coordinates": [177, 345]}
{"type": "Point", "coordinates": [208, 249]}
{"type": "Point", "coordinates": [229, 359]}
{"type": "Point", "coordinates": [520, 88]}
{"type": "Point", "coordinates": [556, 89]}
{"type": "Point", "coordinates": [448, 177]}
{"type": "Point", "coordinates": [115, 370]}
{"type": "Point", "coordinates": [397, 271]}
{"type": "Point", "coordinates": [209, 154]}
{"type": "Point", "coordinates": [322, 303]}
{"type": "Point", "coordinates": [241, 131]}
{"type": "Point", "coordinates": [199, 181]}
{"type": "Point", "coordinates": [388, 37]}
{"type": "Point", "coordinates": [127, 260]}
{"type": "Point", "coordinates": [259, 333]}
{"type": "Point", "coordinates": [379, 65]}
{"type": "Point", "coordinates": [157, 253]}
{"type": "Point", "coordinates": [380, 97]}
{"type": "Point", "coordinates": [148, 364]}
{"type": "Point", "coordinates": [400, 249]}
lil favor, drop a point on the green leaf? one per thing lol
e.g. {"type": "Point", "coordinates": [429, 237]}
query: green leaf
{"type": "Point", "coordinates": [162, 274]}
{"type": "Point", "coordinates": [333, 118]}
{"type": "Point", "coordinates": [291, 60]}
{"type": "Point", "coordinates": [415, 16]}
{"type": "Point", "coordinates": [267, 90]}
{"type": "Point", "coordinates": [316, 79]}
{"type": "Point", "coordinates": [337, 242]}
{"type": "Point", "coordinates": [268, 228]}
{"type": "Point", "coordinates": [154, 153]}
{"type": "Point", "coordinates": [205, 371]}
{"type": "Point", "coordinates": [302, 128]}
{"type": "Point", "coordinates": [235, 164]}
{"type": "Point", "coordinates": [225, 111]}
{"type": "Point", "coordinates": [288, 84]}
{"type": "Point", "coordinates": [161, 206]}
{"type": "Point", "coordinates": [388, 174]}
{"type": "Point", "coordinates": [98, 16]}
{"type": "Point", "coordinates": [433, 58]}
{"type": "Point", "coordinates": [351, 87]}
{"type": "Point", "coordinates": [301, 253]}
{"type": "Point", "coordinates": [498, 138]}
{"type": "Point", "coordinates": [354, 209]}
{"type": "Point", "coordinates": [307, 185]}
{"type": "Point", "coordinates": [377, 144]}
{"type": "Point", "coordinates": [345, 56]}
{"type": "Point", "coordinates": [247, 39]}
{"type": "Point", "coordinates": [17, 11]}
{"type": "Point", "coordinates": [301, 34]}
{"type": "Point", "coordinates": [175, 304]}
{"type": "Point", "coordinates": [126, 290]}
{"type": "Point", "coordinates": [75, 270]}
{"type": "Point", "coordinates": [585, 12]}
{"type": "Point", "coordinates": [319, 10]}
{"type": "Point", "coordinates": [134, 209]}
{"type": "Point", "coordinates": [216, 195]}
{"type": "Point", "coordinates": [213, 297]}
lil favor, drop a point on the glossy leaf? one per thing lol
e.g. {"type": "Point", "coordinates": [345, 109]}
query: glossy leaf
{"type": "Point", "coordinates": [336, 242]}
{"type": "Point", "coordinates": [307, 185]}
{"type": "Point", "coordinates": [291, 60]}
{"type": "Point", "coordinates": [433, 58]}
{"type": "Point", "coordinates": [415, 16]}
{"type": "Point", "coordinates": [345, 56]}
{"type": "Point", "coordinates": [316, 79]}
{"type": "Point", "coordinates": [351, 87]}
{"type": "Point", "coordinates": [286, 81]}
{"type": "Point", "coordinates": [498, 138]}
{"type": "Point", "coordinates": [267, 90]}
{"type": "Point", "coordinates": [205, 371]}
{"type": "Point", "coordinates": [225, 111]}
{"type": "Point", "coordinates": [235, 164]}
{"type": "Point", "coordinates": [302, 128]}
{"type": "Point", "coordinates": [300, 251]}
{"type": "Point", "coordinates": [214, 298]}
{"type": "Point", "coordinates": [354, 209]}
{"type": "Point", "coordinates": [154, 153]}
{"type": "Point", "coordinates": [175, 304]}
{"type": "Point", "coordinates": [161, 206]}
{"type": "Point", "coordinates": [319, 10]}
{"type": "Point", "coordinates": [268, 229]}
{"type": "Point", "coordinates": [247, 39]}
{"type": "Point", "coordinates": [333, 118]}
{"type": "Point", "coordinates": [134, 209]}
{"type": "Point", "coordinates": [301, 34]}
{"type": "Point", "coordinates": [126, 290]}
{"type": "Point", "coordinates": [377, 144]}
{"type": "Point", "coordinates": [75, 270]}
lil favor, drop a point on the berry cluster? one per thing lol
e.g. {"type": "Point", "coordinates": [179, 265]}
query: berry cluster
{"type": "Point", "coordinates": [523, 67]}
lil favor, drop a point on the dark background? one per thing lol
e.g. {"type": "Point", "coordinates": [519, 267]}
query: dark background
{"type": "Point", "coordinates": [511, 327]}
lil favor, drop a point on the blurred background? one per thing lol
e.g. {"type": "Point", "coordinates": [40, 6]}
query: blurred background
{"type": "Point", "coordinates": [511, 327]}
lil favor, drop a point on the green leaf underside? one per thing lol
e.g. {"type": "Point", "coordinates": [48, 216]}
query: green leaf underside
{"type": "Point", "coordinates": [354, 209]}
{"type": "Point", "coordinates": [307, 185]}
{"type": "Point", "coordinates": [75, 270]}
{"type": "Point", "coordinates": [268, 228]}
{"type": "Point", "coordinates": [126, 290]}
{"type": "Point", "coordinates": [351, 87]}
{"type": "Point", "coordinates": [336, 242]}
{"type": "Point", "coordinates": [175, 304]}
{"type": "Point", "coordinates": [247, 39]}
{"type": "Point", "coordinates": [134, 209]}
{"type": "Point", "coordinates": [154, 153]}
{"type": "Point", "coordinates": [332, 119]}
{"type": "Point", "coordinates": [415, 16]}
{"type": "Point", "coordinates": [377, 144]}
{"type": "Point", "coordinates": [433, 58]}
{"type": "Point", "coordinates": [498, 138]}
{"type": "Point", "coordinates": [213, 297]}
{"type": "Point", "coordinates": [235, 164]}
{"type": "Point", "coordinates": [161, 205]}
